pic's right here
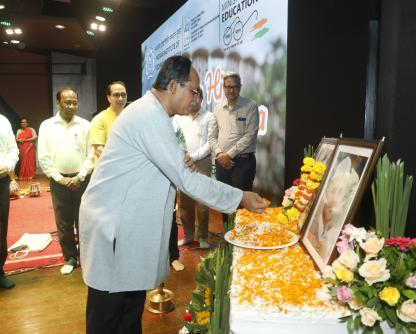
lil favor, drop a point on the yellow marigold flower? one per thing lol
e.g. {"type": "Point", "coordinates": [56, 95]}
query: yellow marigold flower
{"type": "Point", "coordinates": [312, 185]}
{"type": "Point", "coordinates": [306, 169]}
{"type": "Point", "coordinates": [308, 161]}
{"type": "Point", "coordinates": [315, 176]}
{"type": "Point", "coordinates": [282, 218]}
{"type": "Point", "coordinates": [293, 213]}
{"type": "Point", "coordinates": [390, 295]}
{"type": "Point", "coordinates": [207, 295]}
{"type": "Point", "coordinates": [344, 275]}
{"type": "Point", "coordinates": [319, 168]}
{"type": "Point", "coordinates": [304, 176]}
{"type": "Point", "coordinates": [202, 318]}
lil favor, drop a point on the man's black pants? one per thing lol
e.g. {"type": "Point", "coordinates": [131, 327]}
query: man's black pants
{"type": "Point", "coordinates": [114, 313]}
{"type": "Point", "coordinates": [66, 209]}
{"type": "Point", "coordinates": [4, 219]}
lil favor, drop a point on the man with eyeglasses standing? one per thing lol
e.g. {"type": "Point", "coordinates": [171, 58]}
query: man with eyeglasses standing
{"type": "Point", "coordinates": [102, 123]}
{"type": "Point", "coordinates": [232, 136]}
{"type": "Point", "coordinates": [126, 212]}
{"type": "Point", "coordinates": [66, 157]}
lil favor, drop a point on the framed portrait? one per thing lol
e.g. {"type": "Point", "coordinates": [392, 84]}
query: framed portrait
{"type": "Point", "coordinates": [323, 153]}
{"type": "Point", "coordinates": [325, 150]}
{"type": "Point", "coordinates": [340, 194]}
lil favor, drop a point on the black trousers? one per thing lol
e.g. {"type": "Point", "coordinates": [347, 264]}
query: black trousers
{"type": "Point", "coordinates": [114, 313]}
{"type": "Point", "coordinates": [4, 219]}
{"type": "Point", "coordinates": [173, 241]}
{"type": "Point", "coordinates": [241, 176]}
{"type": "Point", "coordinates": [66, 209]}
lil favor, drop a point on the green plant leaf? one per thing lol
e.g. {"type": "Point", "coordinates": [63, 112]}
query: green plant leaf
{"type": "Point", "coordinates": [350, 325]}
{"type": "Point", "coordinates": [357, 322]}
{"type": "Point", "coordinates": [409, 294]}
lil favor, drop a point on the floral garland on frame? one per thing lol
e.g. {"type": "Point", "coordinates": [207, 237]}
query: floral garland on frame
{"type": "Point", "coordinates": [298, 197]}
{"type": "Point", "coordinates": [376, 279]}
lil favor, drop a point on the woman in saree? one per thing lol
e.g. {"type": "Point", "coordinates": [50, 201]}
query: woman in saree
{"type": "Point", "coordinates": [26, 137]}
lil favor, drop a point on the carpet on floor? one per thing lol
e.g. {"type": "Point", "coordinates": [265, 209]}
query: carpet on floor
{"type": "Point", "coordinates": [32, 215]}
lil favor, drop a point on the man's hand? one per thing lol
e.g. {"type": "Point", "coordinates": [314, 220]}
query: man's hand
{"type": "Point", "coordinates": [3, 172]}
{"type": "Point", "coordinates": [74, 183]}
{"type": "Point", "coordinates": [189, 163]}
{"type": "Point", "coordinates": [98, 149]}
{"type": "Point", "coordinates": [64, 181]}
{"type": "Point", "coordinates": [225, 161]}
{"type": "Point", "coordinates": [253, 202]}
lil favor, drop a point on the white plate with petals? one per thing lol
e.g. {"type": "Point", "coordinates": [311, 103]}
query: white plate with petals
{"type": "Point", "coordinates": [261, 235]}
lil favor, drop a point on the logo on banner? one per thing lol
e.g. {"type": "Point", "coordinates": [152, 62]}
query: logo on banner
{"type": "Point", "coordinates": [149, 61]}
{"type": "Point", "coordinates": [263, 118]}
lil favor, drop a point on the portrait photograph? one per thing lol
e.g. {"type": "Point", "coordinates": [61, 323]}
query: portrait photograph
{"type": "Point", "coordinates": [337, 200]}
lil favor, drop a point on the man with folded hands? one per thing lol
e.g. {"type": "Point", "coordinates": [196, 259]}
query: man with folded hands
{"type": "Point", "coordinates": [66, 157]}
{"type": "Point", "coordinates": [233, 134]}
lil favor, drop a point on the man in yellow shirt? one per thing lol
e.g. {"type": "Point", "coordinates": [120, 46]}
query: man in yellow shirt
{"type": "Point", "coordinates": [102, 123]}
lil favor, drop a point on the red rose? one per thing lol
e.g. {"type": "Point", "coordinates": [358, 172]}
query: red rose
{"type": "Point", "coordinates": [187, 316]}
{"type": "Point", "coordinates": [296, 182]}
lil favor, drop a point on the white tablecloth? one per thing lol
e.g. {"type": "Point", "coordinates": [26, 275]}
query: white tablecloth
{"type": "Point", "coordinates": [252, 323]}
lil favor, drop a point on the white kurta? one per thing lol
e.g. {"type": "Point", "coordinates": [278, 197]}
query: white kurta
{"type": "Point", "coordinates": [130, 199]}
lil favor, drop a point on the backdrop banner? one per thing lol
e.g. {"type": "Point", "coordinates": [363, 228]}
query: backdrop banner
{"type": "Point", "coordinates": [245, 36]}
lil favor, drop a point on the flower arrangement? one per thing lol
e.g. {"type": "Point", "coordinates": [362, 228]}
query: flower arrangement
{"type": "Point", "coordinates": [209, 308]}
{"type": "Point", "coordinates": [298, 197]}
{"type": "Point", "coordinates": [376, 279]}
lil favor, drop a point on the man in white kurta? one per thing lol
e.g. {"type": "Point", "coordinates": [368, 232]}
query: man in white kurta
{"type": "Point", "coordinates": [126, 211]}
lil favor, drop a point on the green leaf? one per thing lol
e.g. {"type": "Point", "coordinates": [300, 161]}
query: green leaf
{"type": "Point", "coordinates": [357, 322]}
{"type": "Point", "coordinates": [378, 329]}
{"type": "Point", "coordinates": [391, 314]}
{"type": "Point", "coordinates": [344, 319]}
{"type": "Point", "coordinates": [350, 325]}
{"type": "Point", "coordinates": [409, 294]}
{"type": "Point", "coordinates": [372, 302]}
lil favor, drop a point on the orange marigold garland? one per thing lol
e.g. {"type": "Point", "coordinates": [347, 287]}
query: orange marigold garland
{"type": "Point", "coordinates": [298, 197]}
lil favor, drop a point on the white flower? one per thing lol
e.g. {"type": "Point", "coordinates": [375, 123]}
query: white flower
{"type": "Point", "coordinates": [358, 234]}
{"type": "Point", "coordinates": [183, 330]}
{"type": "Point", "coordinates": [355, 304]}
{"type": "Point", "coordinates": [369, 317]}
{"type": "Point", "coordinates": [407, 311]}
{"type": "Point", "coordinates": [328, 272]}
{"type": "Point", "coordinates": [374, 271]}
{"type": "Point", "coordinates": [372, 247]}
{"type": "Point", "coordinates": [323, 294]}
{"type": "Point", "coordinates": [349, 259]}
{"type": "Point", "coordinates": [286, 202]}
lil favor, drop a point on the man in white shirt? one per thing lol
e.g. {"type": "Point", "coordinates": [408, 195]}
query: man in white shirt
{"type": "Point", "coordinates": [195, 130]}
{"type": "Point", "coordinates": [66, 158]}
{"type": "Point", "coordinates": [9, 154]}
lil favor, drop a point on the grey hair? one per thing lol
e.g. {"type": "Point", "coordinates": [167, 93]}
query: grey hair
{"type": "Point", "coordinates": [228, 75]}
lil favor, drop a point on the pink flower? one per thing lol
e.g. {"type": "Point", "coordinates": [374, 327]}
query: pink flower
{"type": "Point", "coordinates": [344, 294]}
{"type": "Point", "coordinates": [411, 281]}
{"type": "Point", "coordinates": [401, 242]}
{"type": "Point", "coordinates": [342, 246]}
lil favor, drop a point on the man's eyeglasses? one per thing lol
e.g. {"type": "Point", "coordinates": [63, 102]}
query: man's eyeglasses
{"type": "Point", "coordinates": [195, 92]}
{"type": "Point", "coordinates": [229, 87]}
{"type": "Point", "coordinates": [118, 95]}
{"type": "Point", "coordinates": [69, 103]}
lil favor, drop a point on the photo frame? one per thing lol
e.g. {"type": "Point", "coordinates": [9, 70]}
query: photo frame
{"type": "Point", "coordinates": [323, 153]}
{"type": "Point", "coordinates": [347, 177]}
